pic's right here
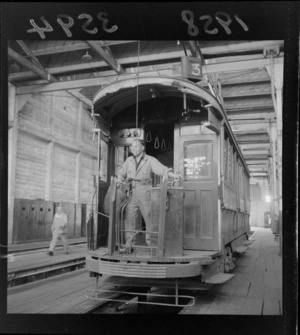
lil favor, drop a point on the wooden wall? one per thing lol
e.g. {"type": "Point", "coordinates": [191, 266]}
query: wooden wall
{"type": "Point", "coordinates": [31, 164]}
{"type": "Point", "coordinates": [259, 206]}
{"type": "Point", "coordinates": [55, 156]}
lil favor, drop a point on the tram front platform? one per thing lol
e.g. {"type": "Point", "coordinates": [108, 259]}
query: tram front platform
{"type": "Point", "coordinates": [256, 288]}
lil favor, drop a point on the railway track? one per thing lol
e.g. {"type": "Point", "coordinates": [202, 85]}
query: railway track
{"type": "Point", "coordinates": [38, 272]}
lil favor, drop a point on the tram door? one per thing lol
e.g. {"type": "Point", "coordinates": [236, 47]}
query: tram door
{"type": "Point", "coordinates": [196, 159]}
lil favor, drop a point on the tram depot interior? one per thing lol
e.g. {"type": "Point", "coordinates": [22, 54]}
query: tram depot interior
{"type": "Point", "coordinates": [71, 121]}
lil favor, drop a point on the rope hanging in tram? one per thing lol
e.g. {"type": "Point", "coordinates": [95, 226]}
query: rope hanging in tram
{"type": "Point", "coordinates": [148, 137]}
{"type": "Point", "coordinates": [163, 145]}
{"type": "Point", "coordinates": [156, 142]}
{"type": "Point", "coordinates": [137, 88]}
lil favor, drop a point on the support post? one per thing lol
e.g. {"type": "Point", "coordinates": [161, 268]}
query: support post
{"type": "Point", "coordinates": [275, 70]}
{"type": "Point", "coordinates": [77, 178]}
{"type": "Point", "coordinates": [97, 187]}
{"type": "Point", "coordinates": [12, 157]}
{"type": "Point", "coordinates": [79, 124]}
{"type": "Point", "coordinates": [50, 149]}
{"type": "Point", "coordinates": [162, 216]}
{"type": "Point", "coordinates": [49, 171]}
{"type": "Point", "coordinates": [278, 83]}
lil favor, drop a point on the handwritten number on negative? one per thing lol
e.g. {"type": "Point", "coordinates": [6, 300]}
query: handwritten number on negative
{"type": "Point", "coordinates": [222, 18]}
{"type": "Point", "coordinates": [40, 30]}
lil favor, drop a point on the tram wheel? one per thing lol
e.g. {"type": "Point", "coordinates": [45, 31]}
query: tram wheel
{"type": "Point", "coordinates": [228, 260]}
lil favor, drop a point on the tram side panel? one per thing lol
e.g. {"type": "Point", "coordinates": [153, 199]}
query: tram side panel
{"type": "Point", "coordinates": [236, 204]}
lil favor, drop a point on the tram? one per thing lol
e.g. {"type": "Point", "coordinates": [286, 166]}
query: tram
{"type": "Point", "coordinates": [198, 222]}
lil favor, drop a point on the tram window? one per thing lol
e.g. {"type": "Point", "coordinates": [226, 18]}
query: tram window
{"type": "Point", "coordinates": [241, 183]}
{"type": "Point", "coordinates": [226, 159]}
{"type": "Point", "coordinates": [197, 161]}
{"type": "Point", "coordinates": [234, 170]}
{"type": "Point", "coordinates": [230, 163]}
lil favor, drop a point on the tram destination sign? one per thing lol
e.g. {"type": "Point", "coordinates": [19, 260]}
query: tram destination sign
{"type": "Point", "coordinates": [191, 68]}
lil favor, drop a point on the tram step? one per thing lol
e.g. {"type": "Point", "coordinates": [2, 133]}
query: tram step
{"type": "Point", "coordinates": [219, 278]}
{"type": "Point", "coordinates": [240, 250]}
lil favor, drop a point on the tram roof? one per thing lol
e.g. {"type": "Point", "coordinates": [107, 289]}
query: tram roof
{"type": "Point", "coordinates": [122, 93]}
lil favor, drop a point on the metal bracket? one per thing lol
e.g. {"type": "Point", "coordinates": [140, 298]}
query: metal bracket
{"type": "Point", "coordinates": [271, 52]}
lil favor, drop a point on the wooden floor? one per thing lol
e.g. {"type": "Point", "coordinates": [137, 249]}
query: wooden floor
{"type": "Point", "coordinates": [21, 262]}
{"type": "Point", "coordinates": [256, 288]}
{"type": "Point", "coordinates": [63, 294]}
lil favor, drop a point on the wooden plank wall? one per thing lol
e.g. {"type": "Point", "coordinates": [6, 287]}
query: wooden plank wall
{"type": "Point", "coordinates": [30, 167]}
{"type": "Point", "coordinates": [56, 159]}
{"type": "Point", "coordinates": [64, 174]}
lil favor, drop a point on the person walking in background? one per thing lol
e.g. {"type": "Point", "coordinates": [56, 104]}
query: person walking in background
{"type": "Point", "coordinates": [59, 229]}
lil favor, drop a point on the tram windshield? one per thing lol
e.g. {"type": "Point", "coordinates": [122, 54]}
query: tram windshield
{"type": "Point", "coordinates": [197, 161]}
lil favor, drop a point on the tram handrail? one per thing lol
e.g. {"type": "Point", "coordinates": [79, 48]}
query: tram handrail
{"type": "Point", "coordinates": [162, 215]}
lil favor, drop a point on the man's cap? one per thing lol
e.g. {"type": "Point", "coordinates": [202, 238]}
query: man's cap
{"type": "Point", "coordinates": [138, 140]}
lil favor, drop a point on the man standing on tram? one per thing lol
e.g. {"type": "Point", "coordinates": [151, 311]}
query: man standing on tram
{"type": "Point", "coordinates": [138, 169]}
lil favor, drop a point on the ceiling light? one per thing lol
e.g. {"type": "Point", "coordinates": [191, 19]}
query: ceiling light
{"type": "Point", "coordinates": [87, 57]}
{"type": "Point", "coordinates": [153, 93]}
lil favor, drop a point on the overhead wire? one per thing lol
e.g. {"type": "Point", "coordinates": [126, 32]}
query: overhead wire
{"type": "Point", "coordinates": [137, 89]}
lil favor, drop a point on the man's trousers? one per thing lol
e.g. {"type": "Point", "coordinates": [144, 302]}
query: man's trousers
{"type": "Point", "coordinates": [55, 235]}
{"type": "Point", "coordinates": [140, 201]}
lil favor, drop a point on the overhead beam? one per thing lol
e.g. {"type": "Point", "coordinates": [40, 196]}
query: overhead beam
{"type": "Point", "coordinates": [122, 61]}
{"type": "Point", "coordinates": [73, 84]}
{"type": "Point", "coordinates": [253, 167]}
{"type": "Point", "coordinates": [251, 146]}
{"type": "Point", "coordinates": [254, 132]}
{"type": "Point", "coordinates": [249, 103]}
{"type": "Point", "coordinates": [38, 69]}
{"type": "Point", "coordinates": [64, 70]}
{"type": "Point", "coordinates": [256, 161]}
{"type": "Point", "coordinates": [23, 61]}
{"type": "Point", "coordinates": [250, 159]}
{"type": "Point", "coordinates": [77, 45]}
{"type": "Point", "coordinates": [255, 151]}
{"type": "Point", "coordinates": [241, 89]}
{"type": "Point", "coordinates": [209, 50]}
{"type": "Point", "coordinates": [106, 55]}
{"type": "Point", "coordinates": [209, 68]}
{"type": "Point", "coordinates": [237, 66]}
{"type": "Point", "coordinates": [261, 127]}
{"type": "Point", "coordinates": [249, 116]}
{"type": "Point", "coordinates": [29, 53]}
{"type": "Point", "coordinates": [249, 122]}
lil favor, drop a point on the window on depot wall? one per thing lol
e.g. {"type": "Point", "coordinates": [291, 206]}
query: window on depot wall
{"type": "Point", "coordinates": [197, 161]}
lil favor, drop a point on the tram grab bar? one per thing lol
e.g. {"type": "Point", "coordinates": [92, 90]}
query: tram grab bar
{"type": "Point", "coordinates": [175, 296]}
